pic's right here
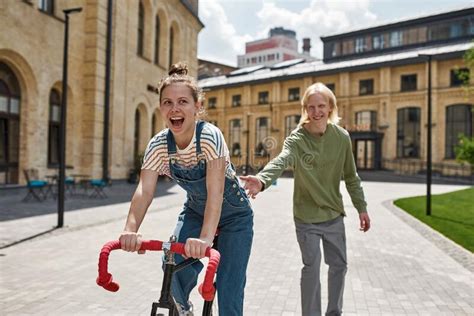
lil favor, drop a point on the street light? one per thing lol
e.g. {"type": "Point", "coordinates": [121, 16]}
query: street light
{"type": "Point", "coordinates": [428, 140]}
{"type": "Point", "coordinates": [62, 134]}
{"type": "Point", "coordinates": [247, 155]}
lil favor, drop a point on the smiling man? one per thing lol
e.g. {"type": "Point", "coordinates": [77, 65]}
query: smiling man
{"type": "Point", "coordinates": [320, 153]}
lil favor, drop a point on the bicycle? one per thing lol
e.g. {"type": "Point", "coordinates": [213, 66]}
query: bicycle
{"type": "Point", "coordinates": [166, 301]}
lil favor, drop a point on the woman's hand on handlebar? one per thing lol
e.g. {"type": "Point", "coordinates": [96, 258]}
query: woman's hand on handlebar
{"type": "Point", "coordinates": [131, 241]}
{"type": "Point", "coordinates": [196, 248]}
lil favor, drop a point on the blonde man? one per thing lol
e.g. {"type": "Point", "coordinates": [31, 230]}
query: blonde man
{"type": "Point", "coordinates": [319, 151]}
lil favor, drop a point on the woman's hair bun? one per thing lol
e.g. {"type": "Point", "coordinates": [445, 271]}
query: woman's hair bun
{"type": "Point", "coordinates": [180, 69]}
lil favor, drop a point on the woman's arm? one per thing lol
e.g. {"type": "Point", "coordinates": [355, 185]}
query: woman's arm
{"type": "Point", "coordinates": [215, 180]}
{"type": "Point", "coordinates": [141, 200]}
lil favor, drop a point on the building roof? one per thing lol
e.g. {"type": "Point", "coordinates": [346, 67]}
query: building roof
{"type": "Point", "coordinates": [264, 74]}
{"type": "Point", "coordinates": [421, 18]}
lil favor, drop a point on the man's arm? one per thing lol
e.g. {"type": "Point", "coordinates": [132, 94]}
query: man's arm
{"type": "Point", "coordinates": [273, 170]}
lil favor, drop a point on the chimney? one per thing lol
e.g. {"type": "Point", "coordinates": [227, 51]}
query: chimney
{"type": "Point", "coordinates": [306, 46]}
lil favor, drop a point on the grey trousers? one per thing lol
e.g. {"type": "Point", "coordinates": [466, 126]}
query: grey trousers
{"type": "Point", "coordinates": [332, 233]}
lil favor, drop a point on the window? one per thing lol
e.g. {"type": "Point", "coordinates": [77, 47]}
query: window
{"type": "Point", "coordinates": [171, 44]}
{"type": "Point", "coordinates": [293, 94]}
{"type": "Point", "coordinates": [157, 40]}
{"type": "Point", "coordinates": [153, 124]}
{"type": "Point", "coordinates": [291, 122]}
{"type": "Point", "coordinates": [366, 87]}
{"type": "Point", "coordinates": [261, 136]}
{"type": "Point", "coordinates": [234, 136]}
{"type": "Point", "coordinates": [46, 6]}
{"type": "Point", "coordinates": [396, 38]}
{"type": "Point", "coordinates": [10, 96]}
{"type": "Point", "coordinates": [54, 127]}
{"type": "Point", "coordinates": [366, 121]}
{"type": "Point", "coordinates": [236, 99]}
{"type": "Point", "coordinates": [263, 97]}
{"type": "Point", "coordinates": [408, 132]}
{"type": "Point", "coordinates": [332, 87]}
{"type": "Point", "coordinates": [211, 104]}
{"type": "Point", "coordinates": [141, 29]}
{"type": "Point", "coordinates": [408, 83]}
{"type": "Point", "coordinates": [378, 42]}
{"type": "Point", "coordinates": [360, 45]}
{"type": "Point", "coordinates": [459, 77]}
{"type": "Point", "coordinates": [136, 136]}
{"type": "Point", "coordinates": [459, 120]}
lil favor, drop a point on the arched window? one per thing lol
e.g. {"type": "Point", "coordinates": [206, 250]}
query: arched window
{"type": "Point", "coordinates": [459, 120]}
{"type": "Point", "coordinates": [408, 132]}
{"type": "Point", "coordinates": [291, 122]}
{"type": "Point", "coordinates": [54, 127]}
{"type": "Point", "coordinates": [10, 96]}
{"type": "Point", "coordinates": [141, 29]}
{"type": "Point", "coordinates": [153, 124]}
{"type": "Point", "coordinates": [171, 44]}
{"type": "Point", "coordinates": [136, 135]}
{"type": "Point", "coordinates": [234, 136]}
{"type": "Point", "coordinates": [157, 40]}
{"type": "Point", "coordinates": [262, 132]}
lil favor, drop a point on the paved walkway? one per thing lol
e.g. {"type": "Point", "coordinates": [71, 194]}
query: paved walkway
{"type": "Point", "coordinates": [393, 269]}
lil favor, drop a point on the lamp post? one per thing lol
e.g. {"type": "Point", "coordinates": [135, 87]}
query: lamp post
{"type": "Point", "coordinates": [428, 140]}
{"type": "Point", "coordinates": [247, 154]}
{"type": "Point", "coordinates": [62, 134]}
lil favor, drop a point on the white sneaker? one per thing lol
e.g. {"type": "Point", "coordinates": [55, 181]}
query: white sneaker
{"type": "Point", "coordinates": [185, 312]}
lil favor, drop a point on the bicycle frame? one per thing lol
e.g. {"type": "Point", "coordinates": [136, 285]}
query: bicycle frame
{"type": "Point", "coordinates": [166, 300]}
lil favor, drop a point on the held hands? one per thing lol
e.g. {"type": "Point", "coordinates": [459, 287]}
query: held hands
{"type": "Point", "coordinates": [131, 241]}
{"type": "Point", "coordinates": [364, 222]}
{"type": "Point", "coordinates": [196, 248]}
{"type": "Point", "coordinates": [252, 185]}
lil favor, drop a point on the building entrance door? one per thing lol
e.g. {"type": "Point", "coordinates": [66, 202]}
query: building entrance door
{"type": "Point", "coordinates": [365, 154]}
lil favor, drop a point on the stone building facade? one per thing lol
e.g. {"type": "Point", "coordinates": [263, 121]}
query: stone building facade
{"type": "Point", "coordinates": [382, 93]}
{"type": "Point", "coordinates": [147, 36]}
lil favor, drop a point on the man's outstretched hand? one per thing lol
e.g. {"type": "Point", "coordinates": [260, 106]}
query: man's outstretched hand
{"type": "Point", "coordinates": [252, 185]}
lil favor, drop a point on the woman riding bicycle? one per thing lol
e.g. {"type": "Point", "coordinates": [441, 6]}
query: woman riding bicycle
{"type": "Point", "coordinates": [194, 153]}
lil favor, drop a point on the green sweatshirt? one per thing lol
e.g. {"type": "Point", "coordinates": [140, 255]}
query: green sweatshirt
{"type": "Point", "coordinates": [319, 164]}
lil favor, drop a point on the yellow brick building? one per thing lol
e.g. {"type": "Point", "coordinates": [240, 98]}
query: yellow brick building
{"type": "Point", "coordinates": [379, 76]}
{"type": "Point", "coordinates": [147, 36]}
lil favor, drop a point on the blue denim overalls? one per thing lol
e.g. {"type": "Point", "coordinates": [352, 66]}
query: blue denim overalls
{"type": "Point", "coordinates": [235, 230]}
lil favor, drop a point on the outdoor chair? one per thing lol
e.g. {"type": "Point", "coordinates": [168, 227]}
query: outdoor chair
{"type": "Point", "coordinates": [97, 186]}
{"type": "Point", "coordinates": [70, 185]}
{"type": "Point", "coordinates": [36, 187]}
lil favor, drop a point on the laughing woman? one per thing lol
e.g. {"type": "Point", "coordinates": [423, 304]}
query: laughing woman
{"type": "Point", "coordinates": [195, 155]}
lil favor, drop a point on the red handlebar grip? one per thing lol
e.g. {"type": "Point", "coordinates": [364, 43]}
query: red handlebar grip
{"type": "Point", "coordinates": [206, 289]}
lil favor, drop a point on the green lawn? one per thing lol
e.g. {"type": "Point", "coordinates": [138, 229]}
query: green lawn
{"type": "Point", "coordinates": [452, 214]}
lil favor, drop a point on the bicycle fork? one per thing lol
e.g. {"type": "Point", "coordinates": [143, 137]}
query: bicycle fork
{"type": "Point", "coordinates": [166, 300]}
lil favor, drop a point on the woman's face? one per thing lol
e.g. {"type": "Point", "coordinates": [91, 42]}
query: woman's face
{"type": "Point", "coordinates": [318, 108]}
{"type": "Point", "coordinates": [178, 108]}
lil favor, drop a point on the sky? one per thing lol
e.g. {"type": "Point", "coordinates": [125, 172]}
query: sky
{"type": "Point", "coordinates": [229, 24]}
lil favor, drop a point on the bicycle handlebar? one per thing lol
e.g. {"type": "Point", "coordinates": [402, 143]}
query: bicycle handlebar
{"type": "Point", "coordinates": [206, 289]}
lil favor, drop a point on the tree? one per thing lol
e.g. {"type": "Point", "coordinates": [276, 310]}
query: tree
{"type": "Point", "coordinates": [464, 74]}
{"type": "Point", "coordinates": [465, 150]}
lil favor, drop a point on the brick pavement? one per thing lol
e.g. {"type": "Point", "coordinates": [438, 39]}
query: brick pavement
{"type": "Point", "coordinates": [393, 269]}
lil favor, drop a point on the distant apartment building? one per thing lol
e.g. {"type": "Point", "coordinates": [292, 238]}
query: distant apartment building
{"type": "Point", "coordinates": [281, 45]}
{"type": "Point", "coordinates": [380, 78]}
